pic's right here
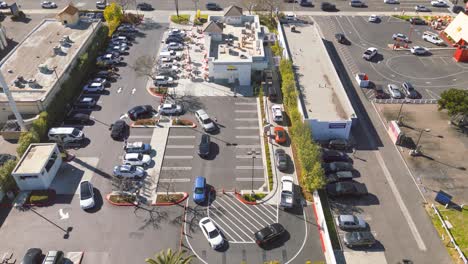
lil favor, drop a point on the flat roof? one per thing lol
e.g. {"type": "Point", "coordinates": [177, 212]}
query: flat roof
{"type": "Point", "coordinates": [35, 158]}
{"type": "Point", "coordinates": [323, 93]}
{"type": "Point", "coordinates": [38, 48]}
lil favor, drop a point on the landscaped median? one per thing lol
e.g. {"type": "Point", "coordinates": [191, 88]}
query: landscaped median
{"type": "Point", "coordinates": [121, 199]}
{"type": "Point", "coordinates": [166, 199]}
{"type": "Point", "coordinates": [249, 198]}
{"type": "Point", "coordinates": [155, 122]}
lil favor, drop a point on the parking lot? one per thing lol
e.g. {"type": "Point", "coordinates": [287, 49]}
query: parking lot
{"type": "Point", "coordinates": [430, 74]}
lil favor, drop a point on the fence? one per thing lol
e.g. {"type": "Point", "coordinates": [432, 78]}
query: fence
{"type": "Point", "coordinates": [408, 101]}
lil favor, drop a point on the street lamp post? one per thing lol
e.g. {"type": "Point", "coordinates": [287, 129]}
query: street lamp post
{"type": "Point", "coordinates": [399, 112]}
{"type": "Point", "coordinates": [416, 151]}
{"type": "Point", "coordinates": [253, 153]}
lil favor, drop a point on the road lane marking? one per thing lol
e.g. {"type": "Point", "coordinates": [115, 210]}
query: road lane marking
{"type": "Point", "coordinates": [186, 237]}
{"type": "Point", "coordinates": [140, 136]}
{"type": "Point", "coordinates": [255, 137]}
{"type": "Point", "coordinates": [248, 146]}
{"type": "Point", "coordinates": [251, 127]}
{"type": "Point", "coordinates": [178, 157]}
{"type": "Point", "coordinates": [249, 167]}
{"type": "Point", "coordinates": [180, 146]}
{"type": "Point", "coordinates": [250, 179]}
{"type": "Point", "coordinates": [400, 202]}
{"type": "Point", "coordinates": [175, 180]}
{"type": "Point", "coordinates": [243, 156]}
{"type": "Point", "coordinates": [258, 226]}
{"type": "Point", "coordinates": [181, 136]}
{"type": "Point", "coordinates": [240, 221]}
{"type": "Point", "coordinates": [223, 230]}
{"type": "Point", "coordinates": [176, 168]}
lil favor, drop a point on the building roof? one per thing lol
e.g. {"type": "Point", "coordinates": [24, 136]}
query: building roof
{"type": "Point", "coordinates": [323, 96]}
{"type": "Point", "coordinates": [44, 38]}
{"type": "Point", "coordinates": [213, 27]}
{"type": "Point", "coordinates": [69, 9]}
{"type": "Point", "coordinates": [458, 28]}
{"type": "Point", "coordinates": [35, 158]}
{"type": "Point", "coordinates": [233, 10]}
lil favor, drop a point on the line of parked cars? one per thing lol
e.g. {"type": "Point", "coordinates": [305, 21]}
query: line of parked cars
{"type": "Point", "coordinates": [169, 67]}
{"type": "Point", "coordinates": [35, 256]}
{"type": "Point", "coordinates": [136, 159]}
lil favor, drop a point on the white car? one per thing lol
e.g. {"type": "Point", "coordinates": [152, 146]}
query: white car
{"type": "Point", "coordinates": [391, 2]}
{"type": "Point", "coordinates": [421, 8]}
{"type": "Point", "coordinates": [394, 91]}
{"type": "Point", "coordinates": [101, 4]}
{"type": "Point", "coordinates": [163, 80]}
{"type": "Point", "coordinates": [117, 48]}
{"type": "Point", "coordinates": [129, 171]}
{"type": "Point", "coordinates": [3, 5]}
{"type": "Point", "coordinates": [177, 32]}
{"type": "Point", "coordinates": [117, 38]}
{"type": "Point", "coordinates": [169, 66]}
{"type": "Point", "coordinates": [137, 159]}
{"type": "Point", "coordinates": [211, 232]}
{"type": "Point", "coordinates": [400, 37]}
{"type": "Point", "coordinates": [48, 4]}
{"type": "Point", "coordinates": [102, 81]}
{"type": "Point", "coordinates": [277, 112]}
{"type": "Point", "coordinates": [290, 16]}
{"type": "Point", "coordinates": [93, 87]}
{"type": "Point", "coordinates": [432, 38]}
{"type": "Point", "coordinates": [418, 50]}
{"type": "Point", "coordinates": [170, 109]}
{"type": "Point", "coordinates": [369, 53]}
{"type": "Point", "coordinates": [347, 222]}
{"type": "Point", "coordinates": [175, 46]}
{"type": "Point", "coordinates": [373, 18]}
{"type": "Point", "coordinates": [86, 195]}
{"type": "Point", "coordinates": [439, 3]}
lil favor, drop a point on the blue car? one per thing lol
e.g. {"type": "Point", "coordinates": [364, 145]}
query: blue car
{"type": "Point", "coordinates": [199, 190]}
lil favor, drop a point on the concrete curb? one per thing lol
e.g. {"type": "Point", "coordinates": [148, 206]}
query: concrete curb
{"type": "Point", "coordinates": [117, 204]}
{"type": "Point", "coordinates": [172, 203]}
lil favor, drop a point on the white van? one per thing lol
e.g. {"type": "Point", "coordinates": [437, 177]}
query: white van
{"type": "Point", "coordinates": [65, 134]}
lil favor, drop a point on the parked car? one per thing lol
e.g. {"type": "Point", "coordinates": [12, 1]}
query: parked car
{"type": "Point", "coordinates": [421, 8]}
{"type": "Point", "coordinates": [374, 19]}
{"type": "Point", "coordinates": [281, 159]}
{"type": "Point", "coordinates": [326, 6]}
{"type": "Point", "coordinates": [400, 37]}
{"type": "Point", "coordinates": [392, 2]}
{"type": "Point", "coordinates": [457, 9]}
{"type": "Point", "coordinates": [140, 112]}
{"type": "Point", "coordinates": [3, 5]}
{"type": "Point", "coordinates": [290, 16]}
{"type": "Point", "coordinates": [417, 21]}
{"type": "Point", "coordinates": [170, 109]}
{"type": "Point", "coordinates": [269, 233]}
{"type": "Point", "coordinates": [287, 192]}
{"type": "Point", "coordinates": [280, 135]}
{"type": "Point", "coordinates": [175, 39]}
{"type": "Point", "coordinates": [340, 38]}
{"type": "Point", "coordinates": [199, 190]}
{"type": "Point", "coordinates": [137, 159]}
{"type": "Point", "coordinates": [169, 66]}
{"type": "Point", "coordinates": [119, 130]}
{"type": "Point", "coordinates": [379, 93]}
{"type": "Point", "coordinates": [118, 48]}
{"type": "Point", "coordinates": [337, 166]}
{"type": "Point", "coordinates": [339, 176]}
{"type": "Point", "coordinates": [346, 188]}
{"type": "Point", "coordinates": [306, 3]}
{"type": "Point", "coordinates": [205, 121]}
{"type": "Point", "coordinates": [144, 7]}
{"type": "Point", "coordinates": [204, 146]}
{"type": "Point", "coordinates": [129, 171]}
{"type": "Point", "coordinates": [432, 38]}
{"type": "Point", "coordinates": [358, 239]}
{"type": "Point", "coordinates": [54, 257]}
{"type": "Point", "coordinates": [418, 50]}
{"type": "Point", "coordinates": [86, 195]}
{"type": "Point", "coordinates": [357, 3]}
{"type": "Point", "coordinates": [48, 4]}
{"type": "Point", "coordinates": [330, 155]}
{"type": "Point", "coordinates": [177, 32]}
{"type": "Point", "coordinates": [6, 157]}
{"type": "Point", "coordinates": [339, 144]}
{"type": "Point", "coordinates": [102, 81]}
{"type": "Point", "coordinates": [77, 118]}
{"type": "Point", "coordinates": [350, 222]}
{"type": "Point", "coordinates": [439, 3]}
{"type": "Point", "coordinates": [137, 147]}
{"type": "Point", "coordinates": [394, 91]}
{"type": "Point", "coordinates": [213, 6]}
{"type": "Point", "coordinates": [175, 46]}
{"type": "Point", "coordinates": [126, 27]}
{"type": "Point", "coordinates": [85, 102]}
{"type": "Point", "coordinates": [104, 74]}
{"type": "Point", "coordinates": [93, 88]}
{"type": "Point", "coordinates": [409, 90]}
{"type": "Point", "coordinates": [211, 232]}
{"type": "Point", "coordinates": [277, 112]}
{"type": "Point", "coordinates": [163, 80]}
{"type": "Point", "coordinates": [32, 256]}
{"type": "Point", "coordinates": [101, 4]}
{"type": "Point", "coordinates": [369, 53]}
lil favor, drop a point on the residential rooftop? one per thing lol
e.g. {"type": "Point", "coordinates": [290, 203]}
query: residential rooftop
{"type": "Point", "coordinates": [35, 158]}
{"type": "Point", "coordinates": [49, 46]}
{"type": "Point", "coordinates": [324, 96]}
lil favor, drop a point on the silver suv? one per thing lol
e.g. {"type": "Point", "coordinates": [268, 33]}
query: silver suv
{"type": "Point", "coordinates": [205, 121]}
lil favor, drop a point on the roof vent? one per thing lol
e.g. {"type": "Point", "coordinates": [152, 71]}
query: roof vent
{"type": "Point", "coordinates": [43, 68]}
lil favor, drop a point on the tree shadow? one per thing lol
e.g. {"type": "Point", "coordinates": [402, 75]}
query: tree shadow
{"type": "Point", "coordinates": [150, 24]}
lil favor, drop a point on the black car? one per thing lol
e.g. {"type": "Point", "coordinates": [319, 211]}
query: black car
{"type": "Point", "coordinates": [213, 6]}
{"type": "Point", "coordinates": [77, 118]}
{"type": "Point", "coordinates": [6, 157]}
{"type": "Point", "coordinates": [119, 130]}
{"type": "Point", "coordinates": [141, 111]}
{"type": "Point", "coordinates": [326, 6]}
{"type": "Point", "coordinates": [103, 74]}
{"type": "Point", "coordinates": [347, 188]}
{"type": "Point", "coordinates": [359, 239]}
{"type": "Point", "coordinates": [337, 166]}
{"type": "Point", "coordinates": [176, 39]}
{"type": "Point", "coordinates": [457, 9]}
{"type": "Point", "coordinates": [32, 256]}
{"type": "Point", "coordinates": [339, 176]}
{"type": "Point", "coordinates": [330, 155]}
{"type": "Point", "coordinates": [340, 38]}
{"type": "Point", "coordinates": [409, 90]}
{"type": "Point", "coordinates": [268, 233]}
{"type": "Point", "coordinates": [306, 3]}
{"type": "Point", "coordinates": [417, 21]}
{"type": "Point", "coordinates": [204, 147]}
{"type": "Point", "coordinates": [144, 7]}
{"type": "Point", "coordinates": [339, 144]}
{"type": "Point", "coordinates": [85, 102]}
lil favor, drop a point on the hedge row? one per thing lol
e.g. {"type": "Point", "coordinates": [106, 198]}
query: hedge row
{"type": "Point", "coordinates": [309, 153]}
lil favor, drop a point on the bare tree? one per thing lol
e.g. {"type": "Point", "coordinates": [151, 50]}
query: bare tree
{"type": "Point", "coordinates": [251, 5]}
{"type": "Point", "coordinates": [125, 4]}
{"type": "Point", "coordinates": [146, 66]}
{"type": "Point", "coordinates": [269, 5]}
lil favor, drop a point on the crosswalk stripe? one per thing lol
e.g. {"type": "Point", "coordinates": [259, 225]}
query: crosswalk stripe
{"type": "Point", "coordinates": [176, 168]}
{"type": "Point", "coordinates": [241, 103]}
{"type": "Point", "coordinates": [181, 136]}
{"type": "Point", "coordinates": [246, 119]}
{"type": "Point", "coordinates": [140, 136]}
{"type": "Point", "coordinates": [245, 111]}
{"type": "Point", "coordinates": [255, 137]}
{"type": "Point", "coordinates": [178, 157]}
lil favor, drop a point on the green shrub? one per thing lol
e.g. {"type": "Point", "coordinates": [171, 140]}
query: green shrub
{"type": "Point", "coordinates": [454, 100]}
{"type": "Point", "coordinates": [40, 196]}
{"type": "Point", "coordinates": [277, 49]}
{"type": "Point", "coordinates": [40, 125]}
{"type": "Point", "coordinates": [253, 198]}
{"type": "Point", "coordinates": [6, 180]}
{"type": "Point", "coordinates": [181, 19]}
{"type": "Point", "coordinates": [269, 22]}
{"type": "Point", "coordinates": [26, 139]}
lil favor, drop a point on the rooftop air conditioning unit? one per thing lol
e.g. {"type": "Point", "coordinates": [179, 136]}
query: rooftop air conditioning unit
{"type": "Point", "coordinates": [43, 68]}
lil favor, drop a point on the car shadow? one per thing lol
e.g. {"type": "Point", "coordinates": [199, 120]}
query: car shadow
{"type": "Point", "coordinates": [225, 246]}
{"type": "Point", "coordinates": [377, 247]}
{"type": "Point", "coordinates": [153, 153]}
{"type": "Point", "coordinates": [98, 202]}
{"type": "Point", "coordinates": [214, 151]}
{"type": "Point", "coordinates": [377, 58]}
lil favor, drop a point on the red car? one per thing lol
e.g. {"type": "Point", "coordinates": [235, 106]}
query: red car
{"type": "Point", "coordinates": [280, 135]}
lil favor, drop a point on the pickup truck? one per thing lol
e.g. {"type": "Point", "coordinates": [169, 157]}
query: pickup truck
{"type": "Point", "coordinates": [287, 192]}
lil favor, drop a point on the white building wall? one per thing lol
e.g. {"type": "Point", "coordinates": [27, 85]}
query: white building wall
{"type": "Point", "coordinates": [325, 130]}
{"type": "Point", "coordinates": [231, 71]}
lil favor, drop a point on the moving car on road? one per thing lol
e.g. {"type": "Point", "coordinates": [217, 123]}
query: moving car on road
{"type": "Point", "coordinates": [346, 188]}
{"type": "Point", "coordinates": [211, 232]}
{"type": "Point", "coordinates": [281, 159]}
{"type": "Point", "coordinates": [137, 159]}
{"type": "Point", "coordinates": [394, 91]}
{"type": "Point", "coordinates": [369, 53]}
{"type": "Point", "coordinates": [205, 121]}
{"type": "Point", "coordinates": [340, 37]}
{"type": "Point", "coordinates": [418, 50]}
{"type": "Point", "coordinates": [421, 8]}
{"type": "Point", "coordinates": [269, 233]}
{"type": "Point", "coordinates": [326, 6]}
{"type": "Point", "coordinates": [400, 37]}
{"type": "Point", "coordinates": [170, 109]}
{"type": "Point", "coordinates": [432, 38]}
{"type": "Point", "coordinates": [119, 130]}
{"type": "Point", "coordinates": [140, 112]}
{"type": "Point", "coordinates": [204, 146]}
{"type": "Point", "coordinates": [439, 3]}
{"type": "Point", "coordinates": [280, 135]}
{"type": "Point", "coordinates": [392, 2]}
{"type": "Point", "coordinates": [348, 222]}
{"type": "Point", "coordinates": [359, 239]}
{"type": "Point", "coordinates": [48, 4]}
{"type": "Point", "coordinates": [129, 171]}
{"type": "Point", "coordinates": [86, 195]}
{"type": "Point", "coordinates": [144, 7]}
{"type": "Point", "coordinates": [357, 3]}
{"type": "Point", "coordinates": [213, 6]}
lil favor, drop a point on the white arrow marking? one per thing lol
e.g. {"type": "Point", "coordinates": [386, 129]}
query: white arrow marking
{"type": "Point", "coordinates": [63, 215]}
{"type": "Point", "coordinates": [133, 90]}
{"type": "Point", "coordinates": [119, 90]}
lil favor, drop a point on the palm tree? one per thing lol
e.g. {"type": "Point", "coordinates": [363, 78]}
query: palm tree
{"type": "Point", "coordinates": [170, 257]}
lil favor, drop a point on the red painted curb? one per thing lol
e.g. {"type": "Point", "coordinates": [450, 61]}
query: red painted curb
{"type": "Point", "coordinates": [319, 229]}
{"type": "Point", "coordinates": [117, 204]}
{"type": "Point", "coordinates": [239, 197]}
{"type": "Point", "coordinates": [447, 39]}
{"type": "Point", "coordinates": [174, 203]}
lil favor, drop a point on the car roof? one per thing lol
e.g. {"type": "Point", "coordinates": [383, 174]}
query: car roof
{"type": "Point", "coordinates": [138, 144]}
{"type": "Point", "coordinates": [200, 181]}
{"type": "Point", "coordinates": [208, 224]}
{"type": "Point", "coordinates": [346, 218]}
{"type": "Point", "coordinates": [131, 155]}
{"type": "Point", "coordinates": [279, 129]}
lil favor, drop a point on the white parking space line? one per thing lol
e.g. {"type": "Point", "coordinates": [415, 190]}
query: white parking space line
{"type": "Point", "coordinates": [246, 119]}
{"type": "Point", "coordinates": [241, 103]}
{"type": "Point", "coordinates": [249, 167]}
{"type": "Point", "coordinates": [216, 212]}
{"type": "Point", "coordinates": [175, 180]}
{"type": "Point", "coordinates": [245, 111]}
{"type": "Point", "coordinates": [243, 156]}
{"type": "Point", "coordinates": [250, 179]}
{"type": "Point", "coordinates": [176, 168]}
{"type": "Point", "coordinates": [178, 157]}
{"type": "Point", "coordinates": [254, 137]}
{"type": "Point", "coordinates": [235, 216]}
{"type": "Point", "coordinates": [268, 209]}
{"type": "Point", "coordinates": [181, 136]}
{"type": "Point", "coordinates": [223, 230]}
{"type": "Point", "coordinates": [422, 61]}
{"type": "Point", "coordinates": [140, 136]}
{"type": "Point", "coordinates": [251, 127]}
{"type": "Point", "coordinates": [248, 146]}
{"type": "Point", "coordinates": [237, 204]}
{"type": "Point", "coordinates": [180, 146]}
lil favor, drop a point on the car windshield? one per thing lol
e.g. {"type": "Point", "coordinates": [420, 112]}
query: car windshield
{"type": "Point", "coordinates": [213, 233]}
{"type": "Point", "coordinates": [198, 190]}
{"type": "Point", "coordinates": [75, 132]}
{"type": "Point", "coordinates": [85, 192]}
{"type": "Point", "coordinates": [207, 121]}
{"type": "Point", "coordinates": [280, 133]}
